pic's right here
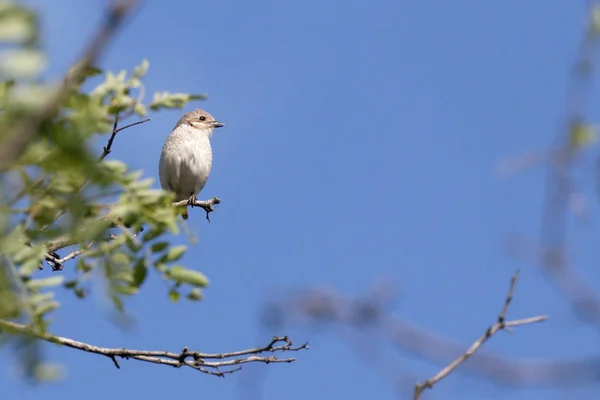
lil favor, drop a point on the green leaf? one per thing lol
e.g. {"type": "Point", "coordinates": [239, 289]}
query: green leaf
{"type": "Point", "coordinates": [159, 246]}
{"type": "Point", "coordinates": [32, 97]}
{"type": "Point", "coordinates": [140, 109]}
{"type": "Point", "coordinates": [47, 372]}
{"type": "Point", "coordinates": [36, 284]}
{"type": "Point", "coordinates": [183, 275]}
{"type": "Point", "coordinates": [83, 266]}
{"type": "Point", "coordinates": [17, 25]}
{"type": "Point", "coordinates": [582, 135]}
{"type": "Point", "coordinates": [150, 196]}
{"type": "Point", "coordinates": [22, 63]}
{"type": "Point", "coordinates": [41, 298]}
{"type": "Point", "coordinates": [154, 233]}
{"type": "Point", "coordinates": [120, 259]}
{"type": "Point", "coordinates": [83, 70]}
{"type": "Point", "coordinates": [173, 100]}
{"type": "Point", "coordinates": [127, 290]}
{"type": "Point", "coordinates": [595, 19]}
{"type": "Point", "coordinates": [141, 70]}
{"type": "Point", "coordinates": [45, 308]}
{"type": "Point", "coordinates": [117, 302]}
{"type": "Point", "coordinates": [70, 284]}
{"type": "Point", "coordinates": [140, 272]}
{"type": "Point", "coordinates": [133, 245]}
{"type": "Point", "coordinates": [174, 253]}
{"type": "Point", "coordinates": [115, 166]}
{"type": "Point", "coordinates": [174, 295]}
{"type": "Point", "coordinates": [6, 88]}
{"type": "Point", "coordinates": [30, 258]}
{"type": "Point", "coordinates": [195, 294]}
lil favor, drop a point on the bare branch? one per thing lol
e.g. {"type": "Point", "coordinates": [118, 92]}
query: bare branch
{"type": "Point", "coordinates": [491, 331]}
{"type": "Point", "coordinates": [23, 132]}
{"type": "Point", "coordinates": [207, 205]}
{"type": "Point", "coordinates": [107, 149]}
{"type": "Point", "coordinates": [57, 263]}
{"type": "Point", "coordinates": [193, 359]}
{"type": "Point", "coordinates": [60, 243]}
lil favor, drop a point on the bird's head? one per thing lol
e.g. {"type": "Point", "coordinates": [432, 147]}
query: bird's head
{"type": "Point", "coordinates": [200, 120]}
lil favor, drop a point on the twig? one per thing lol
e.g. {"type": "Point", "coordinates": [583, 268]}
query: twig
{"type": "Point", "coordinates": [105, 152]}
{"type": "Point", "coordinates": [107, 149]}
{"type": "Point", "coordinates": [18, 138]}
{"type": "Point", "coordinates": [207, 205]}
{"type": "Point", "coordinates": [193, 359]}
{"type": "Point", "coordinates": [57, 263]}
{"type": "Point", "coordinates": [65, 241]}
{"type": "Point", "coordinates": [500, 324]}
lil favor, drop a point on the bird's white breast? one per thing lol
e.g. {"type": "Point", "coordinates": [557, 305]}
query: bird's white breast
{"type": "Point", "coordinates": [185, 162]}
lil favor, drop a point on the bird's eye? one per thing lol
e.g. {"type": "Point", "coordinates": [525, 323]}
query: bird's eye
{"type": "Point", "coordinates": [202, 118]}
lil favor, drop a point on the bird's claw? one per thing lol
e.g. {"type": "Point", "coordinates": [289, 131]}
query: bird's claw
{"type": "Point", "coordinates": [192, 200]}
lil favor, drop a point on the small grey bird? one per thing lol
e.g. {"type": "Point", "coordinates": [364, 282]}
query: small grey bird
{"type": "Point", "coordinates": [186, 157]}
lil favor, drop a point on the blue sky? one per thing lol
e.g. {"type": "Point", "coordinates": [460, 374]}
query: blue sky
{"type": "Point", "coordinates": [361, 142]}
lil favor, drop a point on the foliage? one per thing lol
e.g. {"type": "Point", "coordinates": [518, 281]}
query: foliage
{"type": "Point", "coordinates": [59, 199]}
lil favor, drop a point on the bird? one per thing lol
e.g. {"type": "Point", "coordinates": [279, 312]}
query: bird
{"type": "Point", "coordinates": [186, 156]}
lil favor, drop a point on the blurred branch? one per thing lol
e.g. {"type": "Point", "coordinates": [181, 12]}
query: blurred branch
{"type": "Point", "coordinates": [552, 253]}
{"type": "Point", "coordinates": [370, 321]}
{"type": "Point", "coordinates": [186, 358]}
{"type": "Point", "coordinates": [57, 263]}
{"type": "Point", "coordinates": [24, 131]}
{"type": "Point", "coordinates": [501, 324]}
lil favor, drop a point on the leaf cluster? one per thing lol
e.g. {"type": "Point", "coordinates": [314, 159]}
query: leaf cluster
{"type": "Point", "coordinates": [60, 203]}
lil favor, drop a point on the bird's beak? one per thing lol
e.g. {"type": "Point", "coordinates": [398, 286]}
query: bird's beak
{"type": "Point", "coordinates": [217, 124]}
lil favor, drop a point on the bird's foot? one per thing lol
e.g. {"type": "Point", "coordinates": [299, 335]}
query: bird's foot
{"type": "Point", "coordinates": [192, 200]}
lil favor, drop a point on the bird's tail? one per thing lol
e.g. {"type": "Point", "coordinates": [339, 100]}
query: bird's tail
{"type": "Point", "coordinates": [184, 213]}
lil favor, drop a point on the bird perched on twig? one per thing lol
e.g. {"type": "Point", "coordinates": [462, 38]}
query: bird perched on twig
{"type": "Point", "coordinates": [186, 157]}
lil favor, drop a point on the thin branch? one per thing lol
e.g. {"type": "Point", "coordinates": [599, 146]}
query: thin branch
{"type": "Point", "coordinates": [509, 297]}
{"type": "Point", "coordinates": [107, 149]}
{"type": "Point", "coordinates": [193, 359]}
{"type": "Point", "coordinates": [207, 205]}
{"type": "Point", "coordinates": [21, 135]}
{"type": "Point", "coordinates": [61, 242]}
{"type": "Point", "coordinates": [57, 263]}
{"type": "Point", "coordinates": [500, 324]}
{"type": "Point", "coordinates": [105, 152]}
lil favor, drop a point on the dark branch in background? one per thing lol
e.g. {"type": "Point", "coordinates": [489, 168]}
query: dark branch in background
{"type": "Point", "coordinates": [107, 149]}
{"type": "Point", "coordinates": [501, 324]}
{"type": "Point", "coordinates": [185, 358]}
{"type": "Point", "coordinates": [17, 138]}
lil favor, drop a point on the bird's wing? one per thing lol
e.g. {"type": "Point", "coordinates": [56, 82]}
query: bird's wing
{"type": "Point", "coordinates": [168, 171]}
